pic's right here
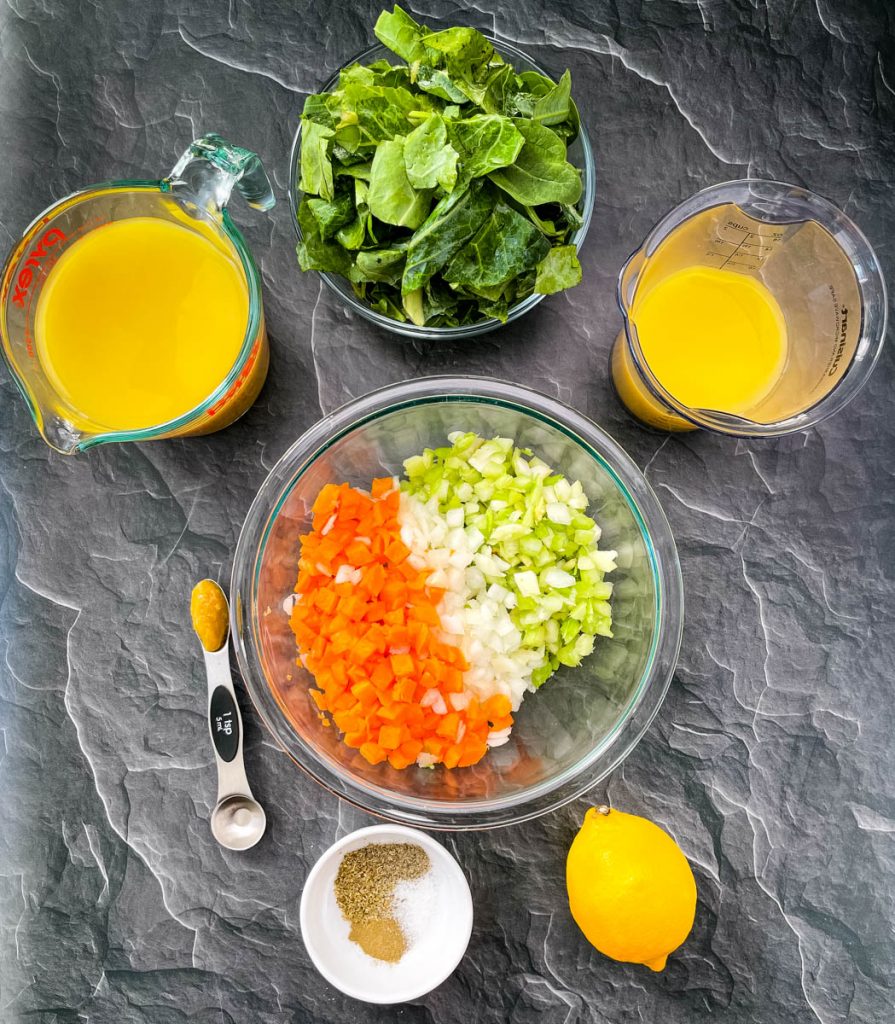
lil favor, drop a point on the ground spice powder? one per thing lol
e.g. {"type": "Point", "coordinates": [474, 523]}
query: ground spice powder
{"type": "Point", "coordinates": [365, 888]}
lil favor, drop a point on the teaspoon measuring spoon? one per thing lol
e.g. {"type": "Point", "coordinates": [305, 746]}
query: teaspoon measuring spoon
{"type": "Point", "coordinates": [238, 821]}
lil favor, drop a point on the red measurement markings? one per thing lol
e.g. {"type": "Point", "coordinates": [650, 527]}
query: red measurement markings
{"type": "Point", "coordinates": [213, 410]}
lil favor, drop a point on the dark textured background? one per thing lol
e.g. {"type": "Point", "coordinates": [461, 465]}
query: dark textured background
{"type": "Point", "coordinates": [772, 758]}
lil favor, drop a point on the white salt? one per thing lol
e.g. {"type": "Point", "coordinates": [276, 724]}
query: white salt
{"type": "Point", "coordinates": [415, 906]}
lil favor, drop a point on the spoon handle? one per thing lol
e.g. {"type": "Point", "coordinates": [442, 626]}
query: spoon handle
{"type": "Point", "coordinates": [225, 725]}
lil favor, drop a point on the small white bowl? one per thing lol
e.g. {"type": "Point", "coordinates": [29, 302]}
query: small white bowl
{"type": "Point", "coordinates": [429, 960]}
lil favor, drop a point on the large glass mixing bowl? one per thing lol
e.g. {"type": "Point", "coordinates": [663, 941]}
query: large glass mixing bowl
{"type": "Point", "coordinates": [569, 734]}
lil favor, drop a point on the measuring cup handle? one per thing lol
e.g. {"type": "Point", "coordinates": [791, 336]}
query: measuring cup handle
{"type": "Point", "coordinates": [212, 166]}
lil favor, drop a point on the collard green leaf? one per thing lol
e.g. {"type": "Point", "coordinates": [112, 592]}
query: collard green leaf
{"type": "Point", "coordinates": [546, 226]}
{"type": "Point", "coordinates": [541, 173]}
{"type": "Point", "coordinates": [430, 159]}
{"type": "Point", "coordinates": [361, 170]}
{"type": "Point", "coordinates": [553, 107]}
{"type": "Point", "coordinates": [316, 109]}
{"type": "Point", "coordinates": [332, 214]}
{"type": "Point", "coordinates": [437, 82]}
{"type": "Point", "coordinates": [381, 302]}
{"type": "Point", "coordinates": [315, 252]}
{"type": "Point", "coordinates": [379, 73]}
{"type": "Point", "coordinates": [506, 245]}
{"type": "Point", "coordinates": [384, 265]}
{"type": "Point", "coordinates": [466, 55]}
{"type": "Point", "coordinates": [453, 221]}
{"type": "Point", "coordinates": [401, 34]}
{"type": "Point", "coordinates": [500, 88]}
{"type": "Point", "coordinates": [463, 48]}
{"type": "Point", "coordinates": [485, 142]}
{"type": "Point", "coordinates": [558, 270]}
{"type": "Point", "coordinates": [353, 234]}
{"type": "Point", "coordinates": [534, 89]}
{"type": "Point", "coordinates": [391, 197]}
{"type": "Point", "coordinates": [316, 168]}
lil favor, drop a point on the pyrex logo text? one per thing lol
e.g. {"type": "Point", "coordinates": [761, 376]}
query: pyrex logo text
{"type": "Point", "coordinates": [26, 274]}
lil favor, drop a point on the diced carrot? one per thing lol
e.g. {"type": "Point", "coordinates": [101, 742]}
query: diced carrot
{"type": "Point", "coordinates": [381, 486]}
{"type": "Point", "coordinates": [411, 748]}
{"type": "Point", "coordinates": [393, 712]}
{"type": "Point", "coordinates": [326, 499]}
{"type": "Point", "coordinates": [325, 600]}
{"type": "Point", "coordinates": [382, 675]}
{"type": "Point", "coordinates": [374, 578]}
{"type": "Point", "coordinates": [361, 651]}
{"type": "Point", "coordinates": [349, 720]}
{"type": "Point", "coordinates": [319, 699]}
{"type": "Point", "coordinates": [365, 693]}
{"type": "Point", "coordinates": [372, 752]}
{"type": "Point", "coordinates": [347, 700]}
{"type": "Point", "coordinates": [409, 573]}
{"type": "Point", "coordinates": [452, 681]}
{"type": "Point", "coordinates": [355, 739]}
{"type": "Point", "coordinates": [390, 737]}
{"type": "Point", "coordinates": [473, 750]}
{"type": "Point", "coordinates": [425, 613]}
{"type": "Point", "coordinates": [405, 690]}
{"type": "Point", "coordinates": [497, 706]}
{"type": "Point", "coordinates": [452, 756]}
{"type": "Point", "coordinates": [375, 611]}
{"type": "Point", "coordinates": [402, 664]}
{"type": "Point", "coordinates": [397, 760]}
{"type": "Point", "coordinates": [434, 746]}
{"type": "Point", "coordinates": [449, 725]}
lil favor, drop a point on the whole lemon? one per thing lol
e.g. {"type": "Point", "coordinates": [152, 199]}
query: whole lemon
{"type": "Point", "coordinates": [631, 890]}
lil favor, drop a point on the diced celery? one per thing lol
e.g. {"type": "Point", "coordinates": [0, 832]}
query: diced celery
{"type": "Point", "coordinates": [526, 583]}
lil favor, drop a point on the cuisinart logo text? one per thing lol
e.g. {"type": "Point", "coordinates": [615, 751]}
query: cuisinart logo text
{"type": "Point", "coordinates": [840, 347]}
{"type": "Point", "coordinates": [26, 274]}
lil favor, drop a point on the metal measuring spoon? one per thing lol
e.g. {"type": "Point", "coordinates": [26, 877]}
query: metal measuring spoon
{"type": "Point", "coordinates": [238, 821]}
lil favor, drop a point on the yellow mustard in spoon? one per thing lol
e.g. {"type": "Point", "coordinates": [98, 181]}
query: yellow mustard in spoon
{"type": "Point", "coordinates": [238, 821]}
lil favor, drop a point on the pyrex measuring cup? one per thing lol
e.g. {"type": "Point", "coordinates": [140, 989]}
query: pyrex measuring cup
{"type": "Point", "coordinates": [194, 195]}
{"type": "Point", "coordinates": [817, 266]}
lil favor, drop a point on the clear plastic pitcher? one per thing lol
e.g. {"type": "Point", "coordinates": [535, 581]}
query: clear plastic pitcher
{"type": "Point", "coordinates": [194, 195]}
{"type": "Point", "coordinates": [819, 270]}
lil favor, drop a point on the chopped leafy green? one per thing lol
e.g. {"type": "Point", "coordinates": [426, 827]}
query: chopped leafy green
{"type": "Point", "coordinates": [553, 106]}
{"type": "Point", "coordinates": [440, 186]}
{"type": "Point", "coordinates": [430, 159]}
{"type": "Point", "coordinates": [314, 252]}
{"type": "Point", "coordinates": [449, 226]}
{"type": "Point", "coordinates": [391, 197]}
{"type": "Point", "coordinates": [558, 270]}
{"type": "Point", "coordinates": [316, 169]}
{"type": "Point", "coordinates": [487, 141]}
{"type": "Point", "coordinates": [332, 214]}
{"type": "Point", "coordinates": [541, 173]}
{"type": "Point", "coordinates": [506, 245]}
{"type": "Point", "coordinates": [384, 265]}
{"type": "Point", "coordinates": [401, 34]}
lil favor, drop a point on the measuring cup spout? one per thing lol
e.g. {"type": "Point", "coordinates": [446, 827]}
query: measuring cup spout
{"type": "Point", "coordinates": [211, 167]}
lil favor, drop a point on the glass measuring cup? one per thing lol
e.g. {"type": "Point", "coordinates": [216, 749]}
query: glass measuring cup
{"type": "Point", "coordinates": [194, 195]}
{"type": "Point", "coordinates": [817, 266]}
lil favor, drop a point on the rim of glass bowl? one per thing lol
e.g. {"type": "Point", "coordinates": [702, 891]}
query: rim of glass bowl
{"type": "Point", "coordinates": [642, 706]}
{"type": "Point", "coordinates": [409, 330]}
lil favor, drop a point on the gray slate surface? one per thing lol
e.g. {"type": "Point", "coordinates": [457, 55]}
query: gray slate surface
{"type": "Point", "coordinates": [772, 758]}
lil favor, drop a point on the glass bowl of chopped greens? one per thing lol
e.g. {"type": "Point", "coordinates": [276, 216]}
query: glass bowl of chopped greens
{"type": "Point", "coordinates": [579, 597]}
{"type": "Point", "coordinates": [441, 183]}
